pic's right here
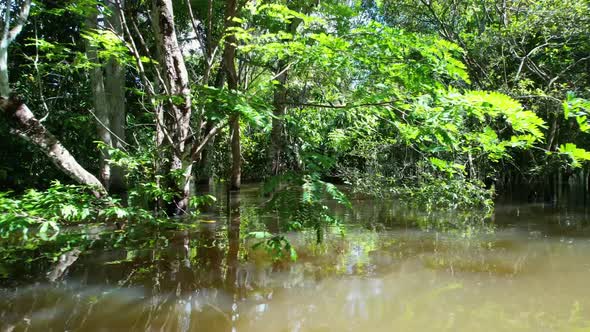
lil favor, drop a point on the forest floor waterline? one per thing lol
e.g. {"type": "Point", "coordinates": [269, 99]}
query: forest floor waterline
{"type": "Point", "coordinates": [383, 274]}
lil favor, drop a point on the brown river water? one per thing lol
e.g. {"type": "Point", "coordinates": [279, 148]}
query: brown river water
{"type": "Point", "coordinates": [525, 269]}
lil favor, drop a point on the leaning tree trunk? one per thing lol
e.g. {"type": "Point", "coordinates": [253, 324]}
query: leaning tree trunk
{"type": "Point", "coordinates": [22, 120]}
{"type": "Point", "coordinates": [232, 83]}
{"type": "Point", "coordinates": [177, 107]}
{"type": "Point", "coordinates": [24, 123]}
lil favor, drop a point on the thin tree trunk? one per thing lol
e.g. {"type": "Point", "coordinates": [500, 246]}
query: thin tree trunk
{"type": "Point", "coordinates": [232, 82]}
{"type": "Point", "coordinates": [205, 162]}
{"type": "Point", "coordinates": [551, 137]}
{"type": "Point", "coordinates": [277, 135]}
{"type": "Point", "coordinates": [236, 153]}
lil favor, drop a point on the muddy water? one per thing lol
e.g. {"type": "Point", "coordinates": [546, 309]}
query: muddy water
{"type": "Point", "coordinates": [529, 272]}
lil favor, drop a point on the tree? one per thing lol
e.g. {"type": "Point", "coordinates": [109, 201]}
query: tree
{"type": "Point", "coordinates": [22, 120]}
{"type": "Point", "coordinates": [534, 51]}
{"type": "Point", "coordinates": [107, 77]}
{"type": "Point", "coordinates": [229, 64]}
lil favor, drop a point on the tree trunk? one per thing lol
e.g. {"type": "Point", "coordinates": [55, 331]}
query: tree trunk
{"type": "Point", "coordinates": [236, 153]}
{"type": "Point", "coordinates": [27, 126]}
{"type": "Point", "coordinates": [115, 93]}
{"type": "Point", "coordinates": [4, 43]}
{"type": "Point", "coordinates": [101, 107]}
{"type": "Point", "coordinates": [277, 135]}
{"type": "Point", "coordinates": [177, 108]}
{"type": "Point", "coordinates": [232, 83]}
{"type": "Point", "coordinates": [4, 85]}
{"type": "Point", "coordinates": [108, 86]}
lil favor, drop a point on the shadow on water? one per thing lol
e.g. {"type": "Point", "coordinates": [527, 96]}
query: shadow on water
{"type": "Point", "coordinates": [391, 270]}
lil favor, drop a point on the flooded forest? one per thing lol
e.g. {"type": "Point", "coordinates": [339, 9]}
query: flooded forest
{"type": "Point", "coordinates": [294, 165]}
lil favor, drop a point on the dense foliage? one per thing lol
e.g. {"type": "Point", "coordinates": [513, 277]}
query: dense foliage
{"type": "Point", "coordinates": [437, 103]}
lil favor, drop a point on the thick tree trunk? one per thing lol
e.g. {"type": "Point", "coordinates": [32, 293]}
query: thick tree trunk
{"type": "Point", "coordinates": [177, 109]}
{"type": "Point", "coordinates": [27, 126]}
{"type": "Point", "coordinates": [101, 107]}
{"type": "Point", "coordinates": [115, 93]}
{"type": "Point", "coordinates": [108, 86]}
{"type": "Point", "coordinates": [232, 83]}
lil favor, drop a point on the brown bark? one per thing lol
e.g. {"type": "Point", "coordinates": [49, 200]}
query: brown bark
{"type": "Point", "coordinates": [27, 126]}
{"type": "Point", "coordinates": [229, 65]}
{"type": "Point", "coordinates": [236, 153]}
{"type": "Point", "coordinates": [552, 135]}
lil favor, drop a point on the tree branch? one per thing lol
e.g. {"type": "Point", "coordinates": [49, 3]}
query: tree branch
{"type": "Point", "coordinates": [566, 69]}
{"type": "Point", "coordinates": [26, 125]}
{"type": "Point", "coordinates": [344, 106]}
{"type": "Point", "coordinates": [20, 21]}
{"type": "Point", "coordinates": [197, 149]}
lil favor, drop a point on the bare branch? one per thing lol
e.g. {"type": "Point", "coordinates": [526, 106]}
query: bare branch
{"type": "Point", "coordinates": [344, 106]}
{"type": "Point", "coordinates": [526, 57]}
{"type": "Point", "coordinates": [197, 149]}
{"type": "Point", "coordinates": [108, 129]}
{"type": "Point", "coordinates": [566, 69]}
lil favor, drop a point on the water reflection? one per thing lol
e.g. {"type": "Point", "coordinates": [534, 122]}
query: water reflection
{"type": "Point", "coordinates": [384, 274]}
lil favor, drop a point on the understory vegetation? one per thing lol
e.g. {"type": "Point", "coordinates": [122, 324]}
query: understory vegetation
{"type": "Point", "coordinates": [115, 111]}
